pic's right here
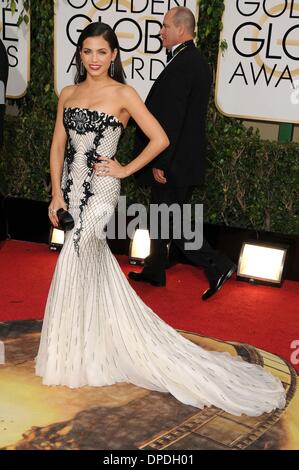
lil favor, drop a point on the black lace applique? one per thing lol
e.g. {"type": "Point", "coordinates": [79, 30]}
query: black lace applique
{"type": "Point", "coordinates": [70, 153]}
{"type": "Point", "coordinates": [69, 158]}
{"type": "Point", "coordinates": [82, 121]}
{"type": "Point", "coordinates": [83, 202]}
{"type": "Point", "coordinates": [78, 119]}
{"type": "Point", "coordinates": [67, 189]}
{"type": "Point", "coordinates": [91, 157]}
{"type": "Point", "coordinates": [112, 122]}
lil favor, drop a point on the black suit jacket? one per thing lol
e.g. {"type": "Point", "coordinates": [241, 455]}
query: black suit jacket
{"type": "Point", "coordinates": [179, 99]}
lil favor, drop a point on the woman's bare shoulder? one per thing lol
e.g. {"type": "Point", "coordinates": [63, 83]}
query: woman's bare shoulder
{"type": "Point", "coordinates": [67, 92]}
{"type": "Point", "coordinates": [127, 90]}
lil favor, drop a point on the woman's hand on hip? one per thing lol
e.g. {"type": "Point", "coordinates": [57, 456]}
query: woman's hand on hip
{"type": "Point", "coordinates": [109, 167]}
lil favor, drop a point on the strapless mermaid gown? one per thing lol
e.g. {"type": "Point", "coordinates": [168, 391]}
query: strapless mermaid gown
{"type": "Point", "coordinates": [97, 331]}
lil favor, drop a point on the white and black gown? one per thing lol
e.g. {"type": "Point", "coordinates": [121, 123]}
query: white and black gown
{"type": "Point", "coordinates": [97, 331]}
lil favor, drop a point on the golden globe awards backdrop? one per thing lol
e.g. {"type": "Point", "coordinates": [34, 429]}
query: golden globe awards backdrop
{"type": "Point", "coordinates": [16, 40]}
{"type": "Point", "coordinates": [137, 25]}
{"type": "Point", "coordinates": [258, 73]}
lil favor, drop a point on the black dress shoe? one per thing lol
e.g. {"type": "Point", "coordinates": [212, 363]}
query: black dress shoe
{"type": "Point", "coordinates": [216, 284]}
{"type": "Point", "coordinates": [140, 277]}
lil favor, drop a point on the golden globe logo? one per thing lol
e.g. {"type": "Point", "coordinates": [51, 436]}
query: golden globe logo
{"type": "Point", "coordinates": [140, 35]}
{"type": "Point", "coordinates": [270, 43]}
{"type": "Point", "coordinates": [137, 24]}
{"type": "Point", "coordinates": [257, 74]}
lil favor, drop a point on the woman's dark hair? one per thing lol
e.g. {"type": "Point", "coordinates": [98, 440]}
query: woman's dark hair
{"type": "Point", "coordinates": [104, 30]}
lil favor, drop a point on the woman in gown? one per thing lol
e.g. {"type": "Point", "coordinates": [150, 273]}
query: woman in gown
{"type": "Point", "coordinates": [96, 330]}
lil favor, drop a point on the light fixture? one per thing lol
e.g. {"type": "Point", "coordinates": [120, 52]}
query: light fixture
{"type": "Point", "coordinates": [139, 246]}
{"type": "Point", "coordinates": [261, 263]}
{"type": "Point", "coordinates": [56, 239]}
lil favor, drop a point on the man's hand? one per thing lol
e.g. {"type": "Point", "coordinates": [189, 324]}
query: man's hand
{"type": "Point", "coordinates": [159, 176]}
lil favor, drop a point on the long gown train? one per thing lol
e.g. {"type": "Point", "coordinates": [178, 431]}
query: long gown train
{"type": "Point", "coordinates": [97, 331]}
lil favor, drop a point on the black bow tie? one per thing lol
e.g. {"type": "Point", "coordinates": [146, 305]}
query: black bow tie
{"type": "Point", "coordinates": [170, 54]}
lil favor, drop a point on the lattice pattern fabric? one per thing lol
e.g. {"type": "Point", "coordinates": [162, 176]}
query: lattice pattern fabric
{"type": "Point", "coordinates": [97, 331]}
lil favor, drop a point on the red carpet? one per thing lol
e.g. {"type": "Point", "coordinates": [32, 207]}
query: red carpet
{"type": "Point", "coordinates": [265, 317]}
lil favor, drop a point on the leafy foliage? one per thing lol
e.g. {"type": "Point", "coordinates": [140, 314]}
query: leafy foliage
{"type": "Point", "coordinates": [249, 182]}
{"type": "Point", "coordinates": [24, 158]}
{"type": "Point", "coordinates": [24, 13]}
{"type": "Point", "coordinates": [209, 27]}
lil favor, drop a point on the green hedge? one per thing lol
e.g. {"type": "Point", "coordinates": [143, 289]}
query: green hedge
{"type": "Point", "coordinates": [250, 182]}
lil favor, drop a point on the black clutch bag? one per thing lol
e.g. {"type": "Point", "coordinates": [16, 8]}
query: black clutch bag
{"type": "Point", "coordinates": [66, 221]}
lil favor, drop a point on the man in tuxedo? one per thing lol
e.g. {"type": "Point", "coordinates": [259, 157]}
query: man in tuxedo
{"type": "Point", "coordinates": [179, 100]}
{"type": "Point", "coordinates": [3, 83]}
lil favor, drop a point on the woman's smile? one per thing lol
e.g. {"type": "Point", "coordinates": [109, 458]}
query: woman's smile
{"type": "Point", "coordinates": [95, 66]}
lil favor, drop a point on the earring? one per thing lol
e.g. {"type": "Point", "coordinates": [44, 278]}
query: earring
{"type": "Point", "coordinates": [82, 69]}
{"type": "Point", "coordinates": [112, 69]}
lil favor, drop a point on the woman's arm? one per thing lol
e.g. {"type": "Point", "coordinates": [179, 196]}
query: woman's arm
{"type": "Point", "coordinates": [158, 140]}
{"type": "Point", "coordinates": [57, 158]}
